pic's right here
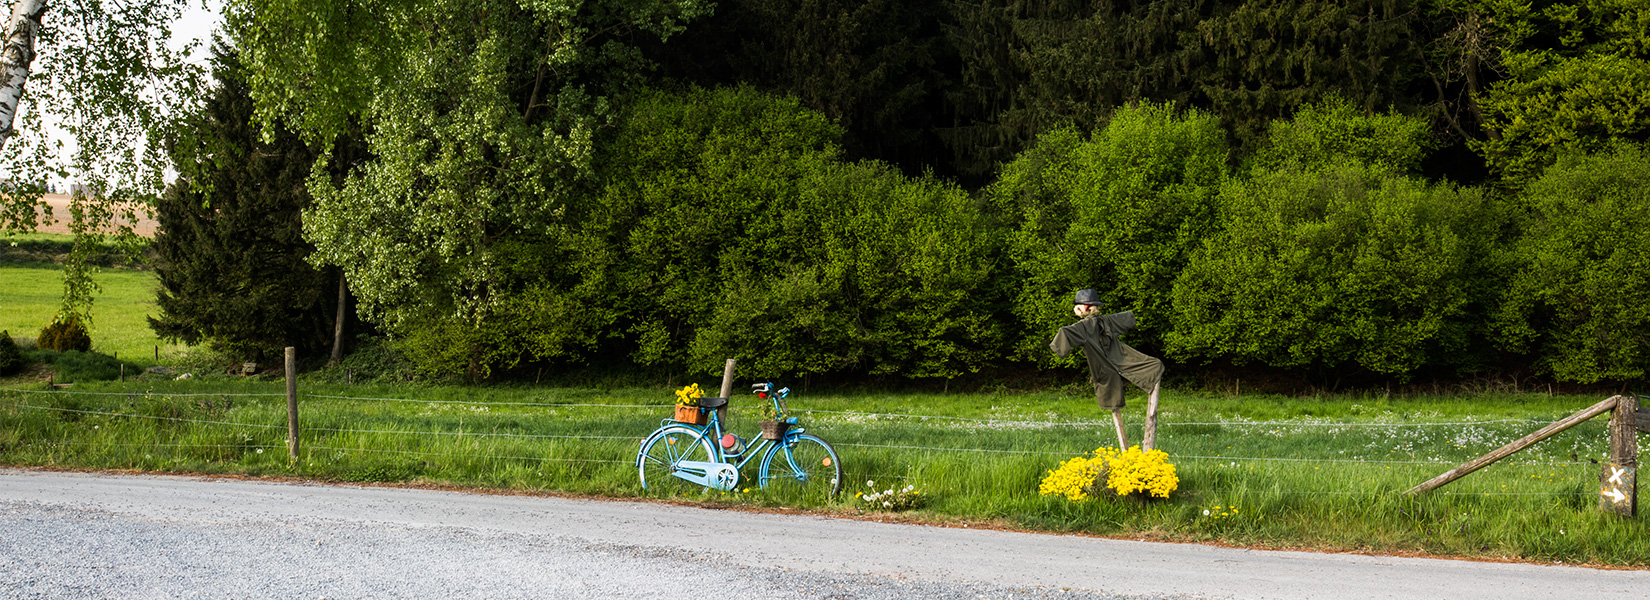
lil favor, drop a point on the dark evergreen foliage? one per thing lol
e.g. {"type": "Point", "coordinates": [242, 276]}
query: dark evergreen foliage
{"type": "Point", "coordinates": [875, 67]}
{"type": "Point", "coordinates": [11, 357]}
{"type": "Point", "coordinates": [231, 251]}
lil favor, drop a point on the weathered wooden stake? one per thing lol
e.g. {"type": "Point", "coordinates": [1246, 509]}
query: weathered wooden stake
{"type": "Point", "coordinates": [1618, 482]}
{"type": "Point", "coordinates": [1117, 421]}
{"type": "Point", "coordinates": [1507, 450]}
{"type": "Point", "coordinates": [292, 402]}
{"type": "Point", "coordinates": [1151, 421]}
{"type": "Point", "coordinates": [727, 389]}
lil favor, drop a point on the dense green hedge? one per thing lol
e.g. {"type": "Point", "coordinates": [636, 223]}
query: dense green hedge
{"type": "Point", "coordinates": [1329, 255]}
{"type": "Point", "coordinates": [726, 223]}
{"type": "Point", "coordinates": [1119, 211]}
{"type": "Point", "coordinates": [1579, 300]}
{"type": "Point", "coordinates": [1335, 266]}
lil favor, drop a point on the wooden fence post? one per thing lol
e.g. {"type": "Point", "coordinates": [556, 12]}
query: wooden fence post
{"type": "Point", "coordinates": [292, 402]}
{"type": "Point", "coordinates": [1618, 483]}
{"type": "Point", "coordinates": [1150, 434]}
{"type": "Point", "coordinates": [727, 389]}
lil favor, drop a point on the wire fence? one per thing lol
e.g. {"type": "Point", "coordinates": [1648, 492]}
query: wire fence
{"type": "Point", "coordinates": [866, 415]}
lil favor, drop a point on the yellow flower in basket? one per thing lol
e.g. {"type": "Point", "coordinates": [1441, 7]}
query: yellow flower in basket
{"type": "Point", "coordinates": [689, 396]}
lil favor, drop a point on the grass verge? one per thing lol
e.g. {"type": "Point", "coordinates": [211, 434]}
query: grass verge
{"type": "Point", "coordinates": [1315, 473]}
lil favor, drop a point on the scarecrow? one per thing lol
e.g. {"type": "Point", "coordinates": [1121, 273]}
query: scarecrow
{"type": "Point", "coordinates": [1111, 361]}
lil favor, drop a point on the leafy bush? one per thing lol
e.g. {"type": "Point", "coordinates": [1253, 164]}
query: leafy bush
{"type": "Point", "coordinates": [1334, 132]}
{"type": "Point", "coordinates": [869, 271]}
{"type": "Point", "coordinates": [1119, 212]}
{"type": "Point", "coordinates": [727, 225]}
{"type": "Point", "coordinates": [74, 365]}
{"type": "Point", "coordinates": [64, 334]}
{"type": "Point", "coordinates": [1579, 302]}
{"type": "Point", "coordinates": [374, 360]}
{"type": "Point", "coordinates": [11, 357]}
{"type": "Point", "coordinates": [1346, 265]}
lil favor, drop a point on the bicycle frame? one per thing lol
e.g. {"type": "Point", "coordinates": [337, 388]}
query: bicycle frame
{"type": "Point", "coordinates": [722, 472]}
{"type": "Point", "coordinates": [714, 426]}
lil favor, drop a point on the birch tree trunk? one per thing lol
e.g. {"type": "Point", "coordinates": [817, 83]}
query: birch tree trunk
{"type": "Point", "coordinates": [16, 59]}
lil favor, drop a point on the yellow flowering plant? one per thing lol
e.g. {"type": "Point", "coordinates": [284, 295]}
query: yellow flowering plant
{"type": "Point", "coordinates": [689, 396]}
{"type": "Point", "coordinates": [1131, 472]}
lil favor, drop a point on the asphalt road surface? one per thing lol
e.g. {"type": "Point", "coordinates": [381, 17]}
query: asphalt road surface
{"type": "Point", "coordinates": [73, 535]}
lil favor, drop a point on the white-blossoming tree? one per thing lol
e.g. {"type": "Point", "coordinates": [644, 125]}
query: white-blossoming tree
{"type": "Point", "coordinates": [88, 90]}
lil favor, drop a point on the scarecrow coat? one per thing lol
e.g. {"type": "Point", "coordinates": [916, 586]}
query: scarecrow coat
{"type": "Point", "coordinates": [1110, 360]}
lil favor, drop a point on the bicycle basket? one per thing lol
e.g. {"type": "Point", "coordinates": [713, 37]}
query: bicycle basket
{"type": "Point", "coordinates": [774, 430]}
{"type": "Point", "coordinates": [691, 414]}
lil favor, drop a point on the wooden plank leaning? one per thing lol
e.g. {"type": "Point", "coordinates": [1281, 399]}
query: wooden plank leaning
{"type": "Point", "coordinates": [1525, 442]}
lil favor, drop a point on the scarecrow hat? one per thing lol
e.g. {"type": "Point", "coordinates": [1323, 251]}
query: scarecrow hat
{"type": "Point", "coordinates": [1087, 296]}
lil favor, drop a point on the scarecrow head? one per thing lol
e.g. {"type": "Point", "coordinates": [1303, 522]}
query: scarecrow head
{"type": "Point", "coordinates": [1087, 303]}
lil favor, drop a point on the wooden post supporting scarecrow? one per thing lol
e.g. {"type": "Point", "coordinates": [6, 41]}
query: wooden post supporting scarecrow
{"type": "Point", "coordinates": [1111, 361]}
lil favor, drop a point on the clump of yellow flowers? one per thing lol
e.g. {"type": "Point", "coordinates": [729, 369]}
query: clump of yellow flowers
{"type": "Point", "coordinates": [689, 396]}
{"type": "Point", "coordinates": [1131, 471]}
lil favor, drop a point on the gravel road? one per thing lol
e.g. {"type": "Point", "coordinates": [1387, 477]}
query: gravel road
{"type": "Point", "coordinates": [72, 535]}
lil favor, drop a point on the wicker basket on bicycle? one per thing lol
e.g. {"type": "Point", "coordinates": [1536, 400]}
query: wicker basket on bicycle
{"type": "Point", "coordinates": [774, 430]}
{"type": "Point", "coordinates": [691, 414]}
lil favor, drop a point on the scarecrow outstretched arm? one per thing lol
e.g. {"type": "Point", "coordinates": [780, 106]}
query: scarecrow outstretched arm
{"type": "Point", "coordinates": [1123, 321]}
{"type": "Point", "coordinates": [1063, 342]}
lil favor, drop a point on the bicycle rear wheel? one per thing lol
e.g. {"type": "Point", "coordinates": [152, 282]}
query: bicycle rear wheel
{"type": "Point", "coordinates": [803, 465]}
{"type": "Point", "coordinates": [663, 450]}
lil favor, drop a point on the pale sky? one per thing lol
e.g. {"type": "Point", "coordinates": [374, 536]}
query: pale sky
{"type": "Point", "coordinates": [197, 23]}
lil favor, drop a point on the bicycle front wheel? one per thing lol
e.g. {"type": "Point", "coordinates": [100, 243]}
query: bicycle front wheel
{"type": "Point", "coordinates": [662, 451]}
{"type": "Point", "coordinates": [803, 465]}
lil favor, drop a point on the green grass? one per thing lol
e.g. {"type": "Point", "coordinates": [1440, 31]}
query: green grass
{"type": "Point", "coordinates": [30, 293]}
{"type": "Point", "coordinates": [1321, 473]}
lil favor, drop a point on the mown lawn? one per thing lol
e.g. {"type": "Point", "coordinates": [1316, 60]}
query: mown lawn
{"type": "Point", "coordinates": [1320, 473]}
{"type": "Point", "coordinates": [31, 293]}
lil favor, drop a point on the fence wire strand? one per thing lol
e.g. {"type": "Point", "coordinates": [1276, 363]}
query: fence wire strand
{"type": "Point", "coordinates": [142, 393]}
{"type": "Point", "coordinates": [469, 456]}
{"type": "Point", "coordinates": [810, 411]}
{"type": "Point", "coordinates": [941, 449]}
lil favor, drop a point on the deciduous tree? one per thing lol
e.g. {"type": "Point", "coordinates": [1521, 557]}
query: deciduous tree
{"type": "Point", "coordinates": [481, 119]}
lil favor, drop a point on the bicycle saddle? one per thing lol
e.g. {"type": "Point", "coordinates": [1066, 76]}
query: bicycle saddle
{"type": "Point", "coordinates": [712, 402]}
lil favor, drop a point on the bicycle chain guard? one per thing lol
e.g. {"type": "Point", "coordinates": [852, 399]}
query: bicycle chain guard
{"type": "Point", "coordinates": [720, 476]}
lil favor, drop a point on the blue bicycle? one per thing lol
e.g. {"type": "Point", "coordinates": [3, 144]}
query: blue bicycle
{"type": "Point", "coordinates": [682, 456]}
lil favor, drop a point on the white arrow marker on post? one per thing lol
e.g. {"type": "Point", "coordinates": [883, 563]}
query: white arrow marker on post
{"type": "Point", "coordinates": [1615, 495]}
{"type": "Point", "coordinates": [1616, 473]}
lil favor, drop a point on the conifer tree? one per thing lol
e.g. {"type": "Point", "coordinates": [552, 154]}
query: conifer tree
{"type": "Point", "coordinates": [232, 256]}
